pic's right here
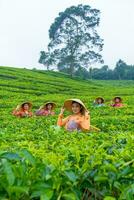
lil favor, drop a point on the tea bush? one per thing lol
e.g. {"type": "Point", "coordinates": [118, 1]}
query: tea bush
{"type": "Point", "coordinates": [38, 160]}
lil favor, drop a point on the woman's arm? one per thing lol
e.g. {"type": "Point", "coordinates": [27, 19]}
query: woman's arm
{"type": "Point", "coordinates": [16, 113]}
{"type": "Point", "coordinates": [30, 114]}
{"type": "Point", "coordinates": [85, 123]}
{"type": "Point", "coordinates": [61, 121]}
{"type": "Point", "coordinates": [39, 112]}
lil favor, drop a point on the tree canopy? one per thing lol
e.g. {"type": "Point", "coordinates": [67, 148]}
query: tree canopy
{"type": "Point", "coordinates": [74, 41]}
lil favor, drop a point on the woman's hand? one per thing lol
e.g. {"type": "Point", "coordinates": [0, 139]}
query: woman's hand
{"type": "Point", "coordinates": [87, 112]}
{"type": "Point", "coordinates": [62, 110]}
{"type": "Point", "coordinates": [17, 108]}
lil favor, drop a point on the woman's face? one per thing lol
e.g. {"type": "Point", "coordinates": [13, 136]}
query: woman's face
{"type": "Point", "coordinates": [117, 100]}
{"type": "Point", "coordinates": [76, 108]}
{"type": "Point", "coordinates": [26, 106]}
{"type": "Point", "coordinates": [49, 106]}
{"type": "Point", "coordinates": [99, 101]}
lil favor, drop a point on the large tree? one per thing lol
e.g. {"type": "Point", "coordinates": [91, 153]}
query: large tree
{"type": "Point", "coordinates": [120, 68]}
{"type": "Point", "coordinates": [47, 59]}
{"type": "Point", "coordinates": [74, 41]}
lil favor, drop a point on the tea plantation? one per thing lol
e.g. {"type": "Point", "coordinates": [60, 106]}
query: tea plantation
{"type": "Point", "coordinates": [38, 160]}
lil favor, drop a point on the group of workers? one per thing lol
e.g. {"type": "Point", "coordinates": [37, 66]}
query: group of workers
{"type": "Point", "coordinates": [79, 120]}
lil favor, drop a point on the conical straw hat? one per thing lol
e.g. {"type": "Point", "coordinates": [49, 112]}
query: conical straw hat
{"type": "Point", "coordinates": [68, 104]}
{"type": "Point", "coordinates": [100, 98]}
{"type": "Point", "coordinates": [26, 102]}
{"type": "Point", "coordinates": [118, 98]}
{"type": "Point", "coordinates": [53, 105]}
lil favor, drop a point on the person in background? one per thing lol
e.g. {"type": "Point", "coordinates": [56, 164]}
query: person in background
{"type": "Point", "coordinates": [117, 102]}
{"type": "Point", "coordinates": [99, 102]}
{"type": "Point", "coordinates": [47, 109]}
{"type": "Point", "coordinates": [23, 110]}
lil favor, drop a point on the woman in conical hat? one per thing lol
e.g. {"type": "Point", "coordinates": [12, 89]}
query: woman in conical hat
{"type": "Point", "coordinates": [80, 118]}
{"type": "Point", "coordinates": [23, 110]}
{"type": "Point", "coordinates": [117, 102]}
{"type": "Point", "coordinates": [99, 102]}
{"type": "Point", "coordinates": [46, 109]}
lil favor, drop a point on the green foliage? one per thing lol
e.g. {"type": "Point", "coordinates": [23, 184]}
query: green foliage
{"type": "Point", "coordinates": [122, 71]}
{"type": "Point", "coordinates": [74, 41]}
{"type": "Point", "coordinates": [38, 160]}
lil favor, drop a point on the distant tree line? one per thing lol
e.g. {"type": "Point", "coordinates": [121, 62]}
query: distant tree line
{"type": "Point", "coordinates": [122, 71]}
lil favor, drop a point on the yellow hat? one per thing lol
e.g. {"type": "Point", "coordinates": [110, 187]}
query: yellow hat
{"type": "Point", "coordinates": [68, 104]}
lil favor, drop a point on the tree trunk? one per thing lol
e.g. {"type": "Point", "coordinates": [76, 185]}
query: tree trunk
{"type": "Point", "coordinates": [71, 70]}
{"type": "Point", "coordinates": [48, 67]}
{"type": "Point", "coordinates": [90, 71]}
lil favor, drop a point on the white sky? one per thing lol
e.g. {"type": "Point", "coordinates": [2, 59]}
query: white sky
{"type": "Point", "coordinates": [24, 26]}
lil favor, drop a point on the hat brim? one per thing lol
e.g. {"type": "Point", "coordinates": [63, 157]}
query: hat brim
{"type": "Point", "coordinates": [53, 105]}
{"type": "Point", "coordinates": [29, 103]}
{"type": "Point", "coordinates": [117, 98]}
{"type": "Point", "coordinates": [100, 98]}
{"type": "Point", "coordinates": [68, 104]}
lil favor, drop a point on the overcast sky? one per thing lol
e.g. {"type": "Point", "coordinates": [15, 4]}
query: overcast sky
{"type": "Point", "coordinates": [24, 28]}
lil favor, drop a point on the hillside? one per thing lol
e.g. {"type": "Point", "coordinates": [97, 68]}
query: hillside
{"type": "Point", "coordinates": [40, 161]}
{"type": "Point", "coordinates": [27, 84]}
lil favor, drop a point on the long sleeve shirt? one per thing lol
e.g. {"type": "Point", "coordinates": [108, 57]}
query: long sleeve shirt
{"type": "Point", "coordinates": [22, 113]}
